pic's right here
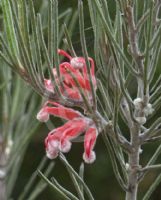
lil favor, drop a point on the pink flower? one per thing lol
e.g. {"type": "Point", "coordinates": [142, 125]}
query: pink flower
{"type": "Point", "coordinates": [89, 142]}
{"type": "Point", "coordinates": [60, 138]}
{"type": "Point", "coordinates": [77, 67]}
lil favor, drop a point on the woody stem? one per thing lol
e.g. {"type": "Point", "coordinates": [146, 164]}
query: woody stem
{"type": "Point", "coordinates": [134, 157]}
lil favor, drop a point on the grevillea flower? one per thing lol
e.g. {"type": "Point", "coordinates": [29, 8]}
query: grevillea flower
{"type": "Point", "coordinates": [76, 67]}
{"type": "Point", "coordinates": [60, 138]}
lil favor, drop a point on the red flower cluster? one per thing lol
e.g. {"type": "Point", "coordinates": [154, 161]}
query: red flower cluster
{"type": "Point", "coordinates": [76, 67]}
{"type": "Point", "coordinates": [60, 138]}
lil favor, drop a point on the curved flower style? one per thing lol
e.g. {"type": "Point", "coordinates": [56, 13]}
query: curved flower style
{"type": "Point", "coordinates": [79, 64]}
{"type": "Point", "coordinates": [60, 138]}
{"type": "Point", "coordinates": [76, 67]}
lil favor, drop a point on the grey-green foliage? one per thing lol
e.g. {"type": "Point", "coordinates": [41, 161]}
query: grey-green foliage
{"type": "Point", "coordinates": [18, 124]}
{"type": "Point", "coordinates": [126, 49]}
{"type": "Point", "coordinates": [33, 53]}
{"type": "Point", "coordinates": [20, 49]}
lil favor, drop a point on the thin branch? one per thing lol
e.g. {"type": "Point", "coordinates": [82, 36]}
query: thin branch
{"type": "Point", "coordinates": [150, 168]}
{"type": "Point", "coordinates": [133, 37]}
{"type": "Point", "coordinates": [151, 131]}
{"type": "Point", "coordinates": [119, 139]}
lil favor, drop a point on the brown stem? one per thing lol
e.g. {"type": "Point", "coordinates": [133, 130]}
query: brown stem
{"type": "Point", "coordinates": [2, 189]}
{"type": "Point", "coordinates": [133, 39]}
{"type": "Point", "coordinates": [131, 193]}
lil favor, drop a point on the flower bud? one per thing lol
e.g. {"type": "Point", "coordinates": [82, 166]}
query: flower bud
{"type": "Point", "coordinates": [138, 102]}
{"type": "Point", "coordinates": [148, 110]}
{"type": "Point", "coordinates": [141, 120]}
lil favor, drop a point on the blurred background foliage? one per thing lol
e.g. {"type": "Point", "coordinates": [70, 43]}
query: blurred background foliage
{"type": "Point", "coordinates": [99, 176]}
